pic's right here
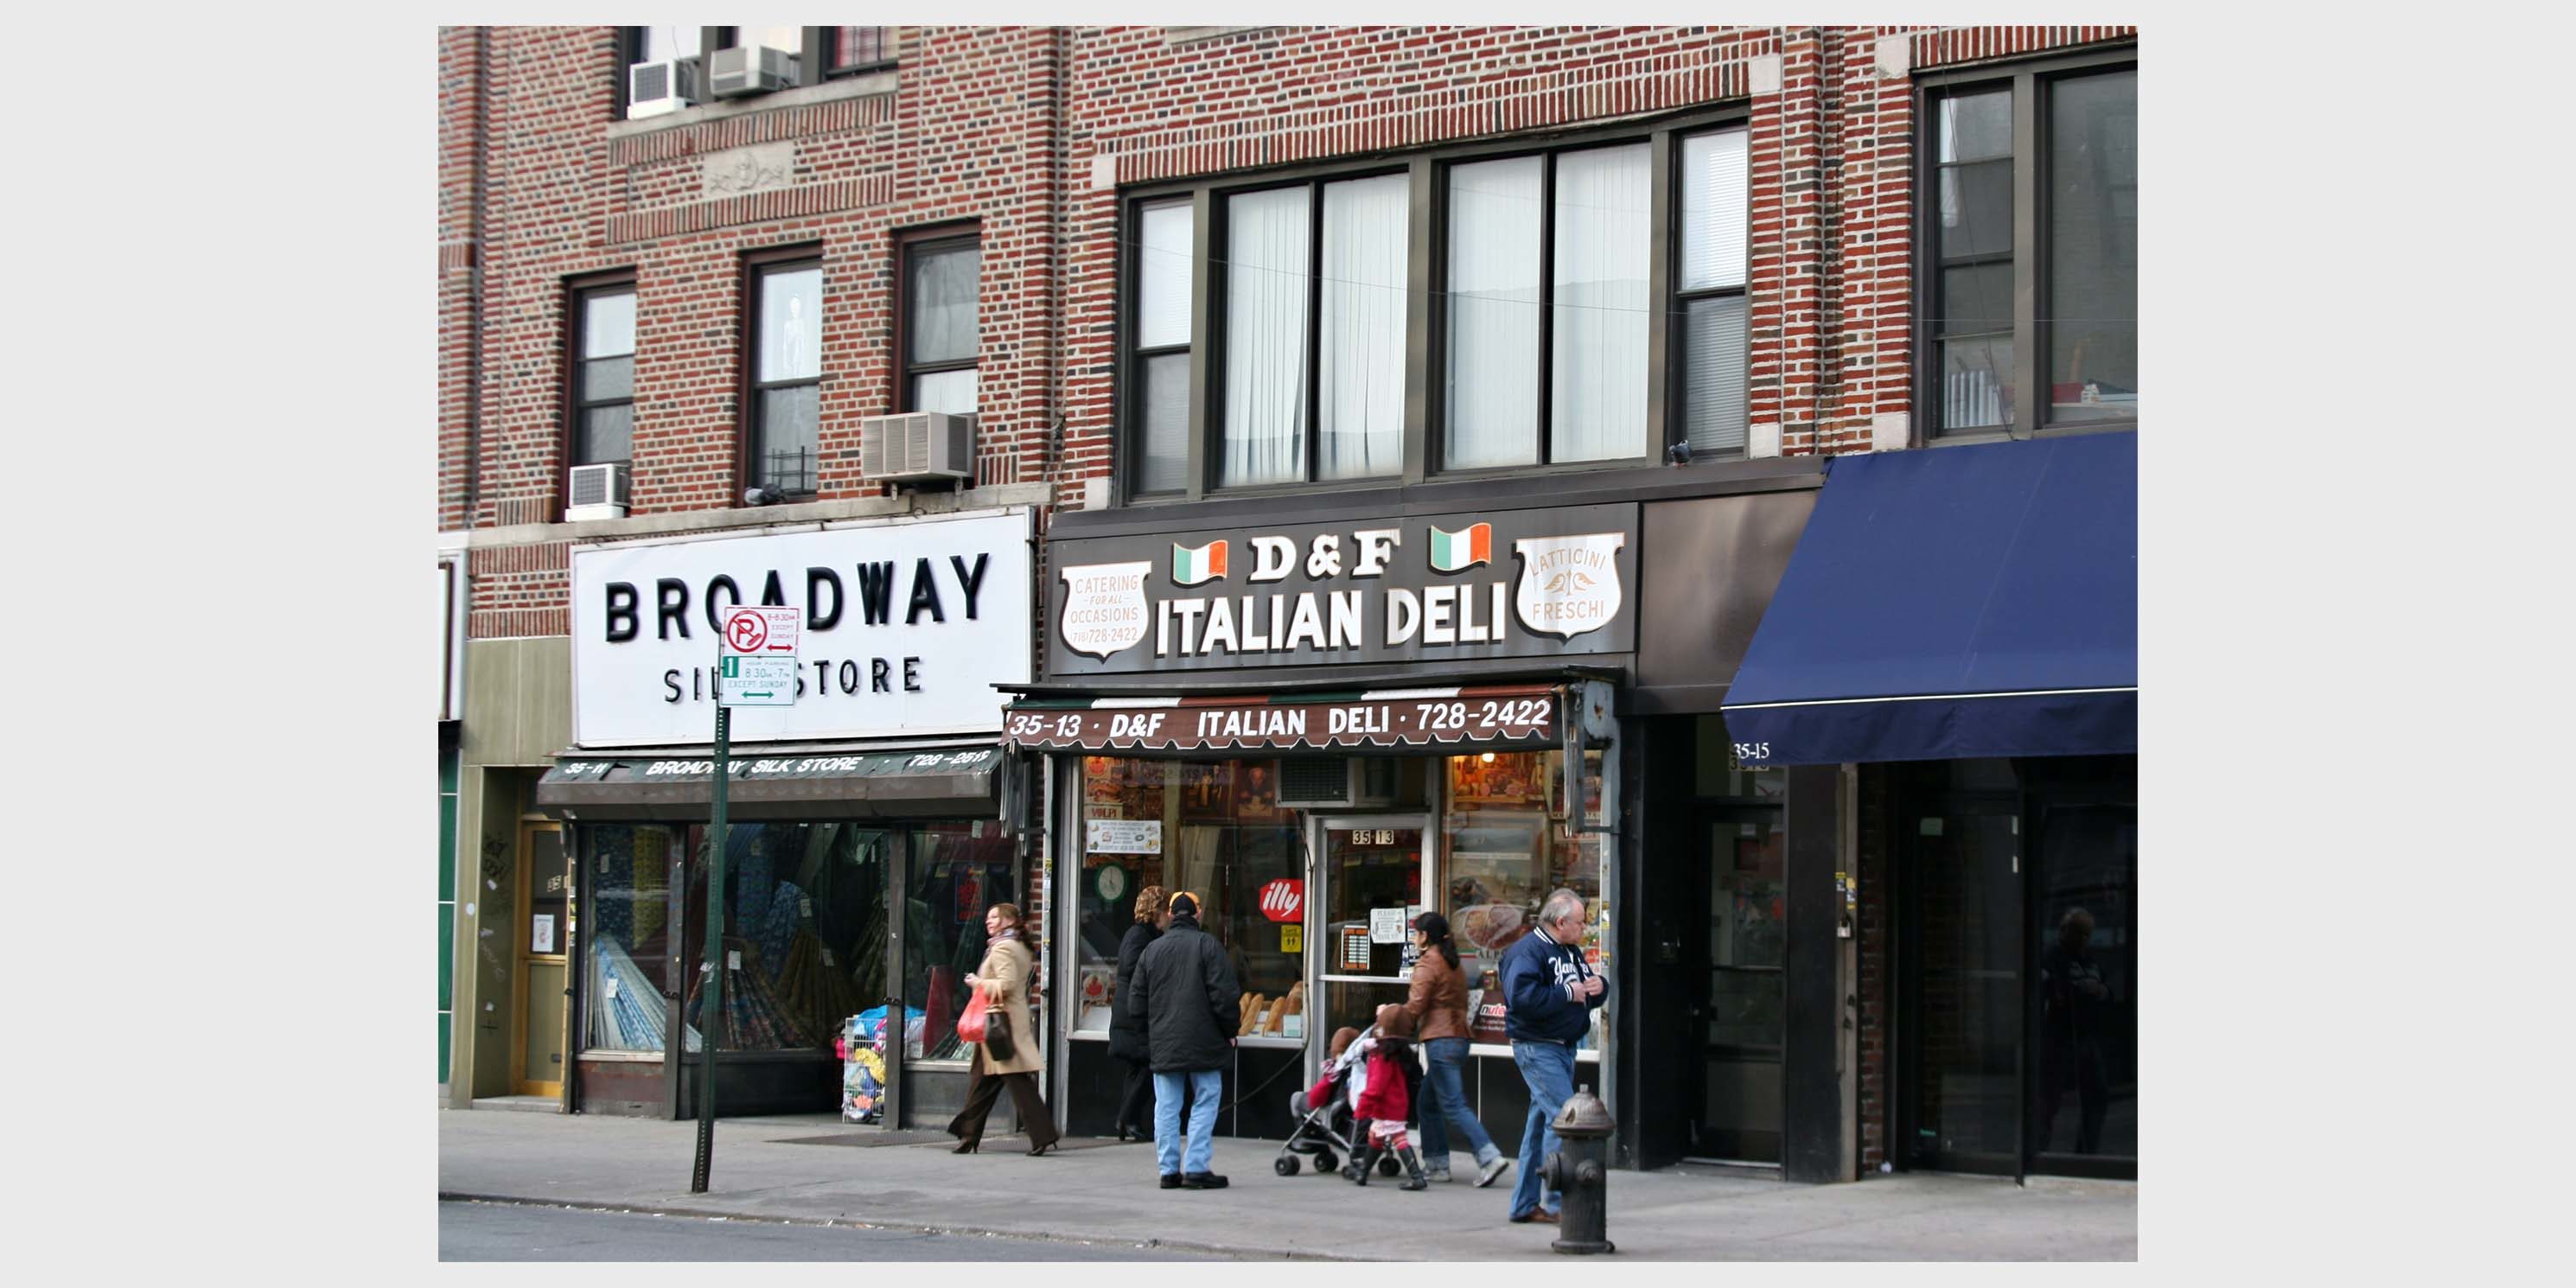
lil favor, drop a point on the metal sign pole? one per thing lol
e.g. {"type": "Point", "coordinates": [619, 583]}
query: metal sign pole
{"type": "Point", "coordinates": [713, 1022]}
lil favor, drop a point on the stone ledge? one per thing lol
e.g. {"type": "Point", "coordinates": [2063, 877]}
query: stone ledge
{"type": "Point", "coordinates": [715, 520]}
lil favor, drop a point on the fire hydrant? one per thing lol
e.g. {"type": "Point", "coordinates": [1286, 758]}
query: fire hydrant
{"type": "Point", "coordinates": [1580, 1171]}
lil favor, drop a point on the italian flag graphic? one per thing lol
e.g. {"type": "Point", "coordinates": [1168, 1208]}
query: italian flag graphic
{"type": "Point", "coordinates": [1190, 567]}
{"type": "Point", "coordinates": [1452, 551]}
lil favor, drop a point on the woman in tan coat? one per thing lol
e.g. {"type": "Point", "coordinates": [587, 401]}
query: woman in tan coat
{"type": "Point", "coordinates": [1438, 1009]}
{"type": "Point", "coordinates": [1004, 979]}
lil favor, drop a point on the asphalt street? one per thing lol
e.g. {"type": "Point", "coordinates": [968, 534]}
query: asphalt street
{"type": "Point", "coordinates": [530, 1232]}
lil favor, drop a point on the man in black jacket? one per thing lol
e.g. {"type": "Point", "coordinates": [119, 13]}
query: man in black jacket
{"type": "Point", "coordinates": [1186, 991]}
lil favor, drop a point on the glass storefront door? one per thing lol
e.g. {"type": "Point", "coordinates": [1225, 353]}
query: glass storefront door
{"type": "Point", "coordinates": [1963, 963]}
{"type": "Point", "coordinates": [1743, 892]}
{"type": "Point", "coordinates": [1370, 870]}
{"type": "Point", "coordinates": [2083, 996]}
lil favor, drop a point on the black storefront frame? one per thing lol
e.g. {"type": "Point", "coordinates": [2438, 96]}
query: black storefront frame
{"type": "Point", "coordinates": [760, 1082]}
{"type": "Point", "coordinates": [2039, 784]}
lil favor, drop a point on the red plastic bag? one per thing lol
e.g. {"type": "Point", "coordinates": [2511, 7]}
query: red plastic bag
{"type": "Point", "coordinates": [970, 1026]}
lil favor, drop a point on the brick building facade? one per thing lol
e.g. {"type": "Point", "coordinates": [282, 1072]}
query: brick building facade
{"type": "Point", "coordinates": [1035, 141]}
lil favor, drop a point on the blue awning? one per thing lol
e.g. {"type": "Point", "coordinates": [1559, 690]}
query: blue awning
{"type": "Point", "coordinates": [1954, 602]}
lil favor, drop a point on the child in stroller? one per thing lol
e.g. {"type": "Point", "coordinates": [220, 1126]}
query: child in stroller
{"type": "Point", "coordinates": [1324, 1119]}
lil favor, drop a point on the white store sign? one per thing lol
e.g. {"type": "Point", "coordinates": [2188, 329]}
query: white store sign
{"type": "Point", "coordinates": [907, 627]}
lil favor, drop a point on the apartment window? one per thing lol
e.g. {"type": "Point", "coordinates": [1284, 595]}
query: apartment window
{"type": "Point", "coordinates": [1160, 374]}
{"type": "Point", "coordinates": [1548, 304]}
{"type": "Point", "coordinates": [856, 49]}
{"type": "Point", "coordinates": [1313, 383]}
{"type": "Point", "coordinates": [1508, 319]}
{"type": "Point", "coordinates": [603, 378]}
{"type": "Point", "coordinates": [940, 333]}
{"type": "Point", "coordinates": [662, 44]}
{"type": "Point", "coordinates": [2032, 291]}
{"type": "Point", "coordinates": [1709, 294]}
{"type": "Point", "coordinates": [786, 366]}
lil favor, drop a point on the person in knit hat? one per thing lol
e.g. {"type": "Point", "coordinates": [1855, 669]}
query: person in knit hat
{"type": "Point", "coordinates": [1388, 1099]}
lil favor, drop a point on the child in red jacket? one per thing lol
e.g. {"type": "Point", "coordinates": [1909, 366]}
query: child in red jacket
{"type": "Point", "coordinates": [1387, 1100]}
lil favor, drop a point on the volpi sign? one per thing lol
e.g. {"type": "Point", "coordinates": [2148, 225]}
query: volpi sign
{"type": "Point", "coordinates": [1527, 583]}
{"type": "Point", "coordinates": [901, 627]}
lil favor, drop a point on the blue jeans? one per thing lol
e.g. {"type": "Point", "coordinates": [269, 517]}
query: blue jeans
{"type": "Point", "coordinates": [1203, 1086]}
{"type": "Point", "coordinates": [1548, 1068]}
{"type": "Point", "coordinates": [1449, 1105]}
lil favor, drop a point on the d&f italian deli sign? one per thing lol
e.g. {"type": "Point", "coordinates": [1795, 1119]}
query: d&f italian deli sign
{"type": "Point", "coordinates": [1521, 717]}
{"type": "Point", "coordinates": [907, 627]}
{"type": "Point", "coordinates": [1515, 583]}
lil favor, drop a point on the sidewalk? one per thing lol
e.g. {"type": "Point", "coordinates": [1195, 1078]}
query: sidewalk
{"type": "Point", "coordinates": [815, 1168]}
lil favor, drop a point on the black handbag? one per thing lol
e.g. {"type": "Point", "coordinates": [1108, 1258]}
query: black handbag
{"type": "Point", "coordinates": [997, 1034]}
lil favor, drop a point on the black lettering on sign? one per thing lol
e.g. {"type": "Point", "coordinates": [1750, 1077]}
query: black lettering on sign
{"type": "Point", "coordinates": [770, 594]}
{"type": "Point", "coordinates": [815, 580]}
{"type": "Point", "coordinates": [973, 582]}
{"type": "Point", "coordinates": [670, 607]}
{"type": "Point", "coordinates": [876, 592]}
{"type": "Point", "coordinates": [912, 675]}
{"type": "Point", "coordinates": [849, 677]}
{"type": "Point", "coordinates": [732, 596]}
{"type": "Point", "coordinates": [925, 594]}
{"type": "Point", "coordinates": [671, 681]}
{"type": "Point", "coordinates": [621, 612]}
{"type": "Point", "coordinates": [877, 675]}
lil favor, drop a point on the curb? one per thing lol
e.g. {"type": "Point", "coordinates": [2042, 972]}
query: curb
{"type": "Point", "coordinates": [1237, 1252]}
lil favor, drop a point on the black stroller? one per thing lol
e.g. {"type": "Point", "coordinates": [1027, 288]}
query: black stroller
{"type": "Point", "coordinates": [1322, 1129]}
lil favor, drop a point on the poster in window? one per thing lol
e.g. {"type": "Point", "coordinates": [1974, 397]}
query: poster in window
{"type": "Point", "coordinates": [1256, 792]}
{"type": "Point", "coordinates": [541, 934]}
{"type": "Point", "coordinates": [1207, 791]}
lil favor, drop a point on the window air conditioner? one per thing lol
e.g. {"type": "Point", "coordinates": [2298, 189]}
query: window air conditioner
{"type": "Point", "coordinates": [596, 492]}
{"type": "Point", "coordinates": [749, 69]}
{"type": "Point", "coordinates": [917, 445]}
{"type": "Point", "coordinates": [1322, 782]}
{"type": "Point", "coordinates": [655, 88]}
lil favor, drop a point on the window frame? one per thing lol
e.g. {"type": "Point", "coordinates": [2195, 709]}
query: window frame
{"type": "Point", "coordinates": [1425, 330]}
{"type": "Point", "coordinates": [1673, 303]}
{"type": "Point", "coordinates": [1221, 301]}
{"type": "Point", "coordinates": [1131, 387]}
{"type": "Point", "coordinates": [749, 427]}
{"type": "Point", "coordinates": [817, 49]}
{"type": "Point", "coordinates": [578, 292]}
{"type": "Point", "coordinates": [2030, 82]}
{"type": "Point", "coordinates": [909, 244]}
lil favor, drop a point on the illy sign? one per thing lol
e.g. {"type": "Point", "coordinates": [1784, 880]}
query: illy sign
{"type": "Point", "coordinates": [1284, 901]}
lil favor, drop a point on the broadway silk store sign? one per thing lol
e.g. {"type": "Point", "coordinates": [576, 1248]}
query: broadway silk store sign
{"type": "Point", "coordinates": [907, 626]}
{"type": "Point", "coordinates": [1517, 583]}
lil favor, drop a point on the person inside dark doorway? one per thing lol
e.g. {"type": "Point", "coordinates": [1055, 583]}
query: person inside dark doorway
{"type": "Point", "coordinates": [2074, 996]}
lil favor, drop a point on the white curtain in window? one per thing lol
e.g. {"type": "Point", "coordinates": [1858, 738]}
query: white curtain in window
{"type": "Point", "coordinates": [1597, 390]}
{"type": "Point", "coordinates": [948, 391]}
{"type": "Point", "coordinates": [1265, 349]}
{"type": "Point", "coordinates": [1163, 305]}
{"type": "Point", "coordinates": [1491, 372]}
{"type": "Point", "coordinates": [1360, 412]}
{"type": "Point", "coordinates": [1713, 202]}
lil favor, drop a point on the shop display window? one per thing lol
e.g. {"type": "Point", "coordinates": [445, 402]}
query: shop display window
{"type": "Point", "coordinates": [804, 934]}
{"type": "Point", "coordinates": [1217, 830]}
{"type": "Point", "coordinates": [1505, 846]}
{"type": "Point", "coordinates": [958, 871]}
{"type": "Point", "coordinates": [628, 956]}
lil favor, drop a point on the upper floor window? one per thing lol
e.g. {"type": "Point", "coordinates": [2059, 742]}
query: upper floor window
{"type": "Point", "coordinates": [2033, 281]}
{"type": "Point", "coordinates": [855, 49]}
{"type": "Point", "coordinates": [940, 331]}
{"type": "Point", "coordinates": [603, 384]}
{"type": "Point", "coordinates": [1313, 384]}
{"type": "Point", "coordinates": [1333, 348]}
{"type": "Point", "coordinates": [785, 397]}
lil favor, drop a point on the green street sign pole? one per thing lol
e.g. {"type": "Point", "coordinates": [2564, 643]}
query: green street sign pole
{"type": "Point", "coordinates": [714, 1014]}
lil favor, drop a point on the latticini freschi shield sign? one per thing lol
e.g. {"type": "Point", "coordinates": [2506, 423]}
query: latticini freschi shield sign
{"type": "Point", "coordinates": [1568, 585]}
{"type": "Point", "coordinates": [1104, 607]}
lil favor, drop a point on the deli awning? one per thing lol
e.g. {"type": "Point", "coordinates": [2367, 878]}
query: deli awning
{"type": "Point", "coordinates": [932, 782]}
{"type": "Point", "coordinates": [1954, 602]}
{"type": "Point", "coordinates": [1494, 717]}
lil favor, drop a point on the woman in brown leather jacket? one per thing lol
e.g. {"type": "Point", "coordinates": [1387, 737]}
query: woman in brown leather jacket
{"type": "Point", "coordinates": [1438, 1007]}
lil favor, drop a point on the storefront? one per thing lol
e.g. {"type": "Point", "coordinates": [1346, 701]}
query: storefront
{"type": "Point", "coordinates": [867, 828]}
{"type": "Point", "coordinates": [1327, 727]}
{"type": "Point", "coordinates": [1961, 625]}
